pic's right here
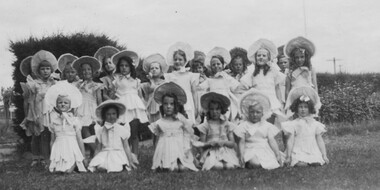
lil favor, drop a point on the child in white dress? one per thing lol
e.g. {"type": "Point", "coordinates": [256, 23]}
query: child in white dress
{"type": "Point", "coordinates": [113, 151]}
{"type": "Point", "coordinates": [217, 134]}
{"type": "Point", "coordinates": [127, 88]}
{"type": "Point", "coordinates": [173, 150]}
{"type": "Point", "coordinates": [257, 144]}
{"type": "Point", "coordinates": [67, 147]}
{"type": "Point", "coordinates": [305, 145]}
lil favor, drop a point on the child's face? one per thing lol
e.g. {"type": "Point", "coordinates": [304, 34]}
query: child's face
{"type": "Point", "coordinates": [63, 104]}
{"type": "Point", "coordinates": [262, 57]}
{"type": "Point", "coordinates": [111, 115]}
{"type": "Point", "coordinates": [86, 71]}
{"type": "Point", "coordinates": [199, 68]}
{"type": "Point", "coordinates": [299, 58]}
{"type": "Point", "coordinates": [168, 105]}
{"type": "Point", "coordinates": [303, 109]}
{"type": "Point", "coordinates": [108, 65]}
{"type": "Point", "coordinates": [216, 65]}
{"type": "Point", "coordinates": [179, 61]}
{"type": "Point", "coordinates": [237, 65]}
{"type": "Point", "coordinates": [45, 72]}
{"type": "Point", "coordinates": [215, 111]}
{"type": "Point", "coordinates": [155, 69]}
{"type": "Point", "coordinates": [283, 63]}
{"type": "Point", "coordinates": [70, 74]}
{"type": "Point", "coordinates": [255, 113]}
{"type": "Point", "coordinates": [124, 67]}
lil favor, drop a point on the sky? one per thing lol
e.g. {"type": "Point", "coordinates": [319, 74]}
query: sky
{"type": "Point", "coordinates": [348, 30]}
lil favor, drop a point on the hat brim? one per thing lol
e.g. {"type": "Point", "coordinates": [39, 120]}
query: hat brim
{"type": "Point", "coordinates": [65, 59]}
{"type": "Point", "coordinates": [25, 66]}
{"type": "Point", "coordinates": [94, 63]}
{"type": "Point", "coordinates": [296, 93]}
{"type": "Point", "coordinates": [106, 51]}
{"type": "Point", "coordinates": [155, 58]}
{"type": "Point", "coordinates": [63, 88]}
{"type": "Point", "coordinates": [126, 53]}
{"type": "Point", "coordinates": [213, 96]}
{"type": "Point", "coordinates": [172, 88]}
{"type": "Point", "coordinates": [185, 47]}
{"type": "Point", "coordinates": [116, 103]}
{"type": "Point", "coordinates": [262, 44]}
{"type": "Point", "coordinates": [41, 56]}
{"type": "Point", "coordinates": [255, 96]}
{"type": "Point", "coordinates": [299, 42]}
{"type": "Point", "coordinates": [218, 51]}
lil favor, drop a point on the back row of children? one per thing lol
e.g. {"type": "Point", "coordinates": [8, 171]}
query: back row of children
{"type": "Point", "coordinates": [226, 97]}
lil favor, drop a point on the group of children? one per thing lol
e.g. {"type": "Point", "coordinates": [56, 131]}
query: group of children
{"type": "Point", "coordinates": [216, 111]}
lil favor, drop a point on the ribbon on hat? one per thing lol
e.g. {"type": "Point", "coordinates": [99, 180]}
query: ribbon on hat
{"type": "Point", "coordinates": [302, 50]}
{"type": "Point", "coordinates": [304, 98]}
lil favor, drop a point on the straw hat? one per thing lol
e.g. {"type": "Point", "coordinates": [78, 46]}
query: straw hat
{"type": "Point", "coordinates": [106, 51]}
{"type": "Point", "coordinates": [95, 65]}
{"type": "Point", "coordinates": [116, 103]}
{"type": "Point", "coordinates": [63, 88]}
{"type": "Point", "coordinates": [253, 97]}
{"type": "Point", "coordinates": [179, 46]}
{"type": "Point", "coordinates": [155, 58]}
{"type": "Point", "coordinates": [218, 51]}
{"type": "Point", "coordinates": [300, 42]}
{"type": "Point", "coordinates": [169, 87]}
{"type": "Point", "coordinates": [41, 56]}
{"type": "Point", "coordinates": [66, 59]}
{"type": "Point", "coordinates": [133, 55]}
{"type": "Point", "coordinates": [306, 93]}
{"type": "Point", "coordinates": [25, 66]}
{"type": "Point", "coordinates": [213, 96]}
{"type": "Point", "coordinates": [262, 44]}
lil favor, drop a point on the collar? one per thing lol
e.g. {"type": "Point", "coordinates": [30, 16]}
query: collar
{"type": "Point", "coordinates": [125, 76]}
{"type": "Point", "coordinates": [108, 125]}
{"type": "Point", "coordinates": [220, 74]}
{"type": "Point", "coordinates": [307, 119]}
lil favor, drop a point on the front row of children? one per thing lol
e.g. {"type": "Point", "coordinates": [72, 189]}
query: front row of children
{"type": "Point", "coordinates": [176, 145]}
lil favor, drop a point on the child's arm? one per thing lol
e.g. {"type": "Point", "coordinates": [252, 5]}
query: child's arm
{"type": "Point", "coordinates": [288, 86]}
{"type": "Point", "coordinates": [322, 147]}
{"type": "Point", "coordinates": [242, 150]}
{"type": "Point", "coordinates": [98, 95]}
{"type": "Point", "coordinates": [80, 142]}
{"type": "Point", "coordinates": [52, 139]}
{"type": "Point", "coordinates": [128, 152]}
{"type": "Point", "coordinates": [289, 148]}
{"type": "Point", "coordinates": [230, 143]}
{"type": "Point", "coordinates": [273, 144]}
{"type": "Point", "coordinates": [314, 79]}
{"type": "Point", "coordinates": [278, 93]}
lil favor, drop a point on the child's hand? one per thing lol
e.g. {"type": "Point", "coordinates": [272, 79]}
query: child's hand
{"type": "Point", "coordinates": [287, 161]}
{"type": "Point", "coordinates": [221, 143]}
{"type": "Point", "coordinates": [86, 162]}
{"type": "Point", "coordinates": [212, 143]}
{"type": "Point", "coordinates": [242, 163]}
{"type": "Point", "coordinates": [326, 159]}
{"type": "Point", "coordinates": [133, 166]}
{"type": "Point", "coordinates": [279, 160]}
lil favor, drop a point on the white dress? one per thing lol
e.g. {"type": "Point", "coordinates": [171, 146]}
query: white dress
{"type": "Point", "coordinates": [216, 131]}
{"type": "Point", "coordinates": [256, 142]}
{"type": "Point", "coordinates": [112, 156]}
{"type": "Point", "coordinates": [65, 151]}
{"type": "Point", "coordinates": [305, 147]}
{"type": "Point", "coordinates": [127, 93]}
{"type": "Point", "coordinates": [188, 81]}
{"type": "Point", "coordinates": [152, 107]}
{"type": "Point", "coordinates": [86, 111]}
{"type": "Point", "coordinates": [173, 145]}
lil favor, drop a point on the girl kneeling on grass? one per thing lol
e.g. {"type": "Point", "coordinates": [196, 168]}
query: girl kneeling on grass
{"type": "Point", "coordinates": [217, 134]}
{"type": "Point", "coordinates": [67, 147]}
{"type": "Point", "coordinates": [257, 145]}
{"type": "Point", "coordinates": [305, 145]}
{"type": "Point", "coordinates": [173, 149]}
{"type": "Point", "coordinates": [114, 153]}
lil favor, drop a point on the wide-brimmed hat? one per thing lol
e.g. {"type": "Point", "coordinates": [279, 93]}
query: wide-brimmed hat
{"type": "Point", "coordinates": [172, 88]}
{"type": "Point", "coordinates": [95, 64]}
{"type": "Point", "coordinates": [106, 51]}
{"type": "Point", "coordinates": [218, 51]}
{"type": "Point", "coordinates": [63, 88]}
{"type": "Point", "coordinates": [66, 59]}
{"type": "Point", "coordinates": [106, 103]}
{"type": "Point", "coordinates": [307, 93]}
{"type": "Point", "coordinates": [213, 96]}
{"type": "Point", "coordinates": [262, 44]}
{"type": "Point", "coordinates": [300, 42]}
{"type": "Point", "coordinates": [126, 53]}
{"type": "Point", "coordinates": [155, 58]}
{"type": "Point", "coordinates": [253, 97]}
{"type": "Point", "coordinates": [25, 66]}
{"type": "Point", "coordinates": [185, 47]}
{"type": "Point", "coordinates": [42, 56]}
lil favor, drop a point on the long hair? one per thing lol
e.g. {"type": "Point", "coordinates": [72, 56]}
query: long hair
{"type": "Point", "coordinates": [265, 67]}
{"type": "Point", "coordinates": [104, 65]}
{"type": "Point", "coordinates": [106, 108]}
{"type": "Point", "coordinates": [223, 110]}
{"type": "Point", "coordinates": [297, 102]}
{"type": "Point", "coordinates": [245, 63]}
{"type": "Point", "coordinates": [178, 108]}
{"type": "Point", "coordinates": [130, 65]}
{"type": "Point", "coordinates": [307, 63]}
{"type": "Point", "coordinates": [181, 53]}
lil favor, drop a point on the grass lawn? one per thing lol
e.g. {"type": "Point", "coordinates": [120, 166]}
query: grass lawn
{"type": "Point", "coordinates": [354, 164]}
